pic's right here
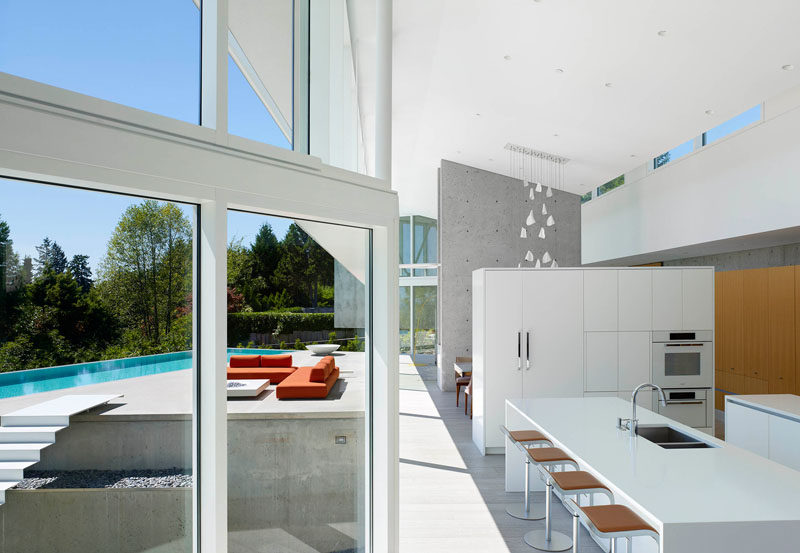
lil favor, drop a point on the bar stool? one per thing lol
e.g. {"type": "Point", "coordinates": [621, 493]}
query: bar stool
{"type": "Point", "coordinates": [545, 458]}
{"type": "Point", "coordinates": [610, 522]}
{"type": "Point", "coordinates": [519, 437]}
{"type": "Point", "coordinates": [566, 483]}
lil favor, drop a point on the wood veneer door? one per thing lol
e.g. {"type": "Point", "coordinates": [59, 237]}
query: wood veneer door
{"type": "Point", "coordinates": [755, 330]}
{"type": "Point", "coordinates": [732, 324]}
{"type": "Point", "coordinates": [718, 283]}
{"type": "Point", "coordinates": [782, 330]}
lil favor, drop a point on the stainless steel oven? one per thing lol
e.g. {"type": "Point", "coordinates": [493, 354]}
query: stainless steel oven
{"type": "Point", "coordinates": [687, 406]}
{"type": "Point", "coordinates": [683, 359]}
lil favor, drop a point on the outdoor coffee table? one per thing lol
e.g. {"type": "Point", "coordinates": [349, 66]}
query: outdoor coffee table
{"type": "Point", "coordinates": [246, 387]}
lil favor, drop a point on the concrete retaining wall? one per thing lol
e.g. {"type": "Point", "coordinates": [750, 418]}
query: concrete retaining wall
{"type": "Point", "coordinates": [289, 483]}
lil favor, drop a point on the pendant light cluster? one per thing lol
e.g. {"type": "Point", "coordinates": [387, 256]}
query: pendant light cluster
{"type": "Point", "coordinates": [539, 172]}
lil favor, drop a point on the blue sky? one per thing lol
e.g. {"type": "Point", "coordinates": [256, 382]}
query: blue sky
{"type": "Point", "coordinates": [34, 211]}
{"type": "Point", "coordinates": [116, 51]}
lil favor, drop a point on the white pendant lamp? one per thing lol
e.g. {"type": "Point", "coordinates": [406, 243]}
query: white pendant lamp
{"type": "Point", "coordinates": [538, 186]}
{"type": "Point", "coordinates": [546, 257]}
{"type": "Point", "coordinates": [530, 220]}
{"type": "Point", "coordinates": [541, 233]}
{"type": "Point", "coordinates": [529, 256]}
{"type": "Point", "coordinates": [549, 192]}
{"type": "Point", "coordinates": [531, 194]}
{"type": "Point", "coordinates": [554, 265]}
{"type": "Point", "coordinates": [538, 264]}
{"type": "Point", "coordinates": [544, 209]}
{"type": "Point", "coordinates": [550, 221]}
{"type": "Point", "coordinates": [525, 183]}
{"type": "Point", "coordinates": [523, 233]}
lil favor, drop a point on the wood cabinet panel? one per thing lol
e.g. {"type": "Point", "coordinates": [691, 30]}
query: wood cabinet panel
{"type": "Point", "coordinates": [735, 383]}
{"type": "Point", "coordinates": [755, 386]}
{"type": "Point", "coordinates": [797, 328]}
{"type": "Point", "coordinates": [718, 283]}
{"type": "Point", "coordinates": [755, 329]}
{"type": "Point", "coordinates": [732, 322]}
{"type": "Point", "coordinates": [782, 331]}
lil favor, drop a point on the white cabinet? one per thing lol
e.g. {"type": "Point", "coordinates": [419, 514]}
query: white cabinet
{"type": "Point", "coordinates": [600, 300]}
{"type": "Point", "coordinates": [698, 299]}
{"type": "Point", "coordinates": [601, 362]}
{"type": "Point", "coordinates": [635, 299]}
{"type": "Point", "coordinates": [497, 370]}
{"type": "Point", "coordinates": [552, 300]}
{"type": "Point", "coordinates": [668, 300]}
{"type": "Point", "coordinates": [747, 428]}
{"type": "Point", "coordinates": [634, 359]}
{"type": "Point", "coordinates": [784, 441]}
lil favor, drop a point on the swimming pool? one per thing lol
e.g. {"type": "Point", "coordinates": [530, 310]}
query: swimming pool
{"type": "Point", "coordinates": [21, 383]}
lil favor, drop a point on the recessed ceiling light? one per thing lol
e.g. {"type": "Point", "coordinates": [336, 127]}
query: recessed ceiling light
{"type": "Point", "coordinates": [633, 155]}
{"type": "Point", "coordinates": [555, 135]}
{"type": "Point", "coordinates": [709, 112]}
{"type": "Point", "coordinates": [490, 159]}
{"type": "Point", "coordinates": [787, 67]}
{"type": "Point", "coordinates": [458, 151]}
{"type": "Point", "coordinates": [507, 57]}
{"type": "Point", "coordinates": [477, 115]}
{"type": "Point", "coordinates": [662, 33]}
{"type": "Point", "coordinates": [559, 70]}
{"type": "Point", "coordinates": [609, 85]}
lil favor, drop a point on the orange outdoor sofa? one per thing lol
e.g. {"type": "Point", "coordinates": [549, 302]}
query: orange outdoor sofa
{"type": "Point", "coordinates": [291, 382]}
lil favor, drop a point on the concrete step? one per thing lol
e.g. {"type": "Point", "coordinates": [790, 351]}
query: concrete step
{"type": "Point", "coordinates": [30, 451]}
{"type": "Point", "coordinates": [56, 411]}
{"type": "Point", "coordinates": [29, 434]}
{"type": "Point", "coordinates": [13, 470]}
{"type": "Point", "coordinates": [6, 485]}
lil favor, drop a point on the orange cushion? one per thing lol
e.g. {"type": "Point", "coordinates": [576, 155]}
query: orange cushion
{"type": "Point", "coordinates": [279, 360]}
{"type": "Point", "coordinates": [275, 374]}
{"type": "Point", "coordinates": [245, 361]}
{"type": "Point", "coordinates": [298, 385]}
{"type": "Point", "coordinates": [322, 370]}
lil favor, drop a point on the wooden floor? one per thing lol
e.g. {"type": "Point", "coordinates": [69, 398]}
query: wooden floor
{"type": "Point", "coordinates": [452, 499]}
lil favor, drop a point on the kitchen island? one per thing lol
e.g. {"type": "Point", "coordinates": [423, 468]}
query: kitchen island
{"type": "Point", "coordinates": [715, 499]}
{"type": "Point", "coordinates": [766, 424]}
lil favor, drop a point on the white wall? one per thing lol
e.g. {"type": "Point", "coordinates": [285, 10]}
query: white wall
{"type": "Point", "coordinates": [744, 184]}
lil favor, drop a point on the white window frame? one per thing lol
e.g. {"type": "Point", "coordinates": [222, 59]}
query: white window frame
{"type": "Point", "coordinates": [59, 136]}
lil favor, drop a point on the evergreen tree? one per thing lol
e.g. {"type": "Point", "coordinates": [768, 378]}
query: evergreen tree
{"type": "Point", "coordinates": [58, 259]}
{"type": "Point", "coordinates": [43, 255]}
{"type": "Point", "coordinates": [79, 267]}
{"type": "Point", "coordinates": [5, 250]}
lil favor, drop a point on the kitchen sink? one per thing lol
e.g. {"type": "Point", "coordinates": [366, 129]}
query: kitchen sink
{"type": "Point", "coordinates": [671, 438]}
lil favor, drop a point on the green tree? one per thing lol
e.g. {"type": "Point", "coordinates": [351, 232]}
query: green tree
{"type": "Point", "coordinates": [146, 273]}
{"type": "Point", "coordinates": [303, 267]}
{"type": "Point", "coordinates": [58, 259]}
{"type": "Point", "coordinates": [79, 267]}
{"type": "Point", "coordinates": [50, 257]}
{"type": "Point", "coordinates": [5, 250]}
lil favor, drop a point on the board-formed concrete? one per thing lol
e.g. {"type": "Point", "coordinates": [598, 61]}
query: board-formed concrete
{"type": "Point", "coordinates": [775, 256]}
{"type": "Point", "coordinates": [481, 215]}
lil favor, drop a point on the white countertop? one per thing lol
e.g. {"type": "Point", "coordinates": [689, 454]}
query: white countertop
{"type": "Point", "coordinates": [787, 405]}
{"type": "Point", "coordinates": [672, 486]}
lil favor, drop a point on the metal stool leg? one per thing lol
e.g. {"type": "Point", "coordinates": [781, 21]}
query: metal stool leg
{"type": "Point", "coordinates": [613, 546]}
{"type": "Point", "coordinates": [526, 512]}
{"type": "Point", "coordinates": [576, 528]}
{"type": "Point", "coordinates": [547, 540]}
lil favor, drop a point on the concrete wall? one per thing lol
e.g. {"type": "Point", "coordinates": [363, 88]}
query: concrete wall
{"type": "Point", "coordinates": [480, 217]}
{"type": "Point", "coordinates": [289, 483]}
{"type": "Point", "coordinates": [777, 256]}
{"type": "Point", "coordinates": [747, 184]}
{"type": "Point", "coordinates": [156, 520]}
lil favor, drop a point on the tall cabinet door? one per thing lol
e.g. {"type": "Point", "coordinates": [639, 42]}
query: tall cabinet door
{"type": "Point", "coordinates": [553, 303]}
{"type": "Point", "coordinates": [667, 299]}
{"type": "Point", "coordinates": [755, 323]}
{"type": "Point", "coordinates": [503, 336]}
{"type": "Point", "coordinates": [732, 323]}
{"type": "Point", "coordinates": [781, 330]}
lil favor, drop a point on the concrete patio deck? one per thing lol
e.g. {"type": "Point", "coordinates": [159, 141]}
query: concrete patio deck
{"type": "Point", "coordinates": [170, 395]}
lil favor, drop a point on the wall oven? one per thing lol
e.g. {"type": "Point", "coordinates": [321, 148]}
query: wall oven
{"type": "Point", "coordinates": [683, 359]}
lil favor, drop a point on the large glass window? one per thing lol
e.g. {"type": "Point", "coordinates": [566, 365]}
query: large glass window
{"type": "Point", "coordinates": [405, 319]}
{"type": "Point", "coordinates": [586, 197]}
{"type": "Point", "coordinates": [298, 316]}
{"type": "Point", "coordinates": [143, 54]}
{"type": "Point", "coordinates": [90, 306]}
{"type": "Point", "coordinates": [425, 244]}
{"type": "Point", "coordinates": [611, 185]}
{"type": "Point", "coordinates": [425, 319]}
{"type": "Point", "coordinates": [418, 287]}
{"type": "Point", "coordinates": [673, 154]}
{"type": "Point", "coordinates": [260, 70]}
{"type": "Point", "coordinates": [405, 245]}
{"type": "Point", "coordinates": [742, 120]}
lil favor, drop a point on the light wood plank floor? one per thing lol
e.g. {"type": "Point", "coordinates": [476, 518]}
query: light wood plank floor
{"type": "Point", "coordinates": [452, 499]}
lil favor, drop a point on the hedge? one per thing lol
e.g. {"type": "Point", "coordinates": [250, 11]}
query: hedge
{"type": "Point", "coordinates": [241, 325]}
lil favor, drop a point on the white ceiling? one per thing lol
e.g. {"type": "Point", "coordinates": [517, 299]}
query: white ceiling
{"type": "Point", "coordinates": [449, 66]}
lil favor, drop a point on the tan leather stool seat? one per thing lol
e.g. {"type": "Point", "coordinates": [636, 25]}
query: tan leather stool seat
{"type": "Point", "coordinates": [463, 380]}
{"type": "Point", "coordinates": [615, 518]}
{"type": "Point", "coordinates": [576, 480]}
{"type": "Point", "coordinates": [527, 436]}
{"type": "Point", "coordinates": [548, 454]}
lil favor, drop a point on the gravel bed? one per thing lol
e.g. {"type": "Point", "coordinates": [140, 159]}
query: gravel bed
{"type": "Point", "coordinates": [59, 479]}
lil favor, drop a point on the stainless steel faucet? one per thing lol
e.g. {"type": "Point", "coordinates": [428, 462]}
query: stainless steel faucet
{"type": "Point", "coordinates": [632, 423]}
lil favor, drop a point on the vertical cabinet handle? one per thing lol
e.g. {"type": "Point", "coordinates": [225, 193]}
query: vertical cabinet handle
{"type": "Point", "coordinates": [527, 350]}
{"type": "Point", "coordinates": [519, 351]}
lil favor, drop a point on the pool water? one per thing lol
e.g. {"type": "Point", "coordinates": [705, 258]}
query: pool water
{"type": "Point", "coordinates": [33, 381]}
